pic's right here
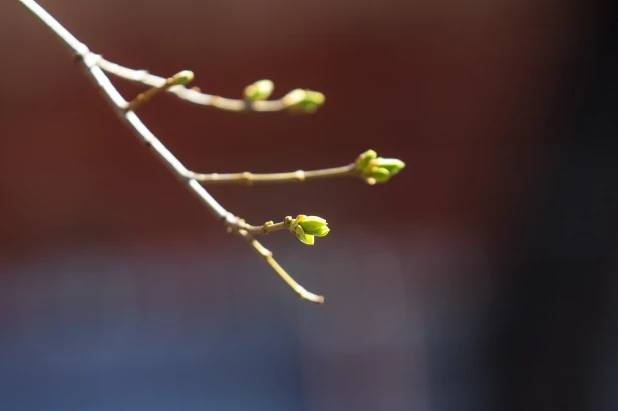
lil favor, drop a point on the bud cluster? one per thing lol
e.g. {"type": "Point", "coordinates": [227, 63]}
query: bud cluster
{"type": "Point", "coordinates": [308, 227]}
{"type": "Point", "coordinates": [374, 169]}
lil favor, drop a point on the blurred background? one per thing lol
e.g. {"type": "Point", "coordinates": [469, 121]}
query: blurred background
{"type": "Point", "coordinates": [482, 277]}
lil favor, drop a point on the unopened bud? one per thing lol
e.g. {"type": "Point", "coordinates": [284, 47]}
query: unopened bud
{"type": "Point", "coordinates": [375, 169]}
{"type": "Point", "coordinates": [183, 77]}
{"type": "Point", "coordinates": [260, 90]}
{"type": "Point", "coordinates": [308, 227]}
{"type": "Point", "coordinates": [303, 101]}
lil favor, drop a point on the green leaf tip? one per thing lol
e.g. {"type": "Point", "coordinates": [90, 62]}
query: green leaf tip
{"type": "Point", "coordinates": [374, 169]}
{"type": "Point", "coordinates": [260, 90]}
{"type": "Point", "coordinates": [307, 227]}
{"type": "Point", "coordinates": [303, 101]}
{"type": "Point", "coordinates": [183, 77]}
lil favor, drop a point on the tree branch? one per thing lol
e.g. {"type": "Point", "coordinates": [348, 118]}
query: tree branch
{"type": "Point", "coordinates": [91, 62]}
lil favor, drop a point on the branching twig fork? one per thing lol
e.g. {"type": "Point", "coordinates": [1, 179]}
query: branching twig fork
{"type": "Point", "coordinates": [367, 166]}
{"type": "Point", "coordinates": [118, 103]}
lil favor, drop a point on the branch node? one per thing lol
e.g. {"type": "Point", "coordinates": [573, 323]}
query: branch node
{"type": "Point", "coordinates": [265, 227]}
{"type": "Point", "coordinates": [287, 221]}
{"type": "Point", "coordinates": [300, 175]}
{"type": "Point", "coordinates": [248, 177]}
{"type": "Point", "coordinates": [80, 53]}
{"type": "Point", "coordinates": [266, 254]}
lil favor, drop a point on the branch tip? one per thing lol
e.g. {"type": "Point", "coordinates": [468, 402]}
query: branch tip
{"type": "Point", "coordinates": [374, 169]}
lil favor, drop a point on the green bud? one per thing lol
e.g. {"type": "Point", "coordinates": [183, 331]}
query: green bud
{"type": "Point", "coordinates": [393, 165]}
{"type": "Point", "coordinates": [260, 90]}
{"type": "Point", "coordinates": [294, 97]}
{"type": "Point", "coordinates": [379, 174]}
{"type": "Point", "coordinates": [363, 160]}
{"type": "Point", "coordinates": [311, 224]}
{"type": "Point", "coordinates": [315, 97]}
{"type": "Point", "coordinates": [308, 227]}
{"type": "Point", "coordinates": [321, 232]}
{"type": "Point", "coordinates": [305, 238]}
{"type": "Point", "coordinates": [183, 77]}
{"type": "Point", "coordinates": [305, 101]}
{"type": "Point", "coordinates": [374, 169]}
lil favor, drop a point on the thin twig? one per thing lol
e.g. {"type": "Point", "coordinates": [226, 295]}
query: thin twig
{"type": "Point", "coordinates": [91, 63]}
{"type": "Point", "coordinates": [287, 177]}
{"type": "Point", "coordinates": [191, 95]}
{"type": "Point", "coordinates": [262, 229]}
{"type": "Point", "coordinates": [149, 94]}
{"type": "Point", "coordinates": [267, 256]}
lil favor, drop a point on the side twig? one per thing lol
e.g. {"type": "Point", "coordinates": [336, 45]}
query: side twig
{"type": "Point", "coordinates": [287, 177]}
{"type": "Point", "coordinates": [195, 96]}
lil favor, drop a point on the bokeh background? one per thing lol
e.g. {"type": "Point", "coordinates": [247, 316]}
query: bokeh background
{"type": "Point", "coordinates": [482, 277]}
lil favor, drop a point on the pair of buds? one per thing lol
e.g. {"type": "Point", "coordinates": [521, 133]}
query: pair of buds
{"type": "Point", "coordinates": [298, 100]}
